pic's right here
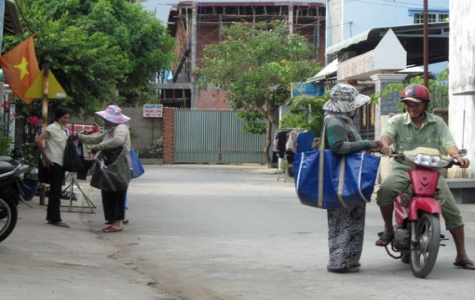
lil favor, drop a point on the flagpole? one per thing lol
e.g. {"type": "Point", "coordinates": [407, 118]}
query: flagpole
{"type": "Point", "coordinates": [45, 118]}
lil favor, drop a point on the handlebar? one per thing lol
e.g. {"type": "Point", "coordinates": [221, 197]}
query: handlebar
{"type": "Point", "coordinates": [400, 155]}
{"type": "Point", "coordinates": [454, 162]}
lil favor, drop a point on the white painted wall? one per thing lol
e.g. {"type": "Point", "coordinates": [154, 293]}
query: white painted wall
{"type": "Point", "coordinates": [390, 44]}
{"type": "Point", "coordinates": [462, 79]}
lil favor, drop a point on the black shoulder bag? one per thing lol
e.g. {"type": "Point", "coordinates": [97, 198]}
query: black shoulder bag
{"type": "Point", "coordinates": [71, 160]}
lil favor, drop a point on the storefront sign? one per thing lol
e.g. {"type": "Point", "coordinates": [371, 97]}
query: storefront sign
{"type": "Point", "coordinates": [152, 110]}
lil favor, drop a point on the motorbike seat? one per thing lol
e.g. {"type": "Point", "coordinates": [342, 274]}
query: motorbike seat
{"type": "Point", "coordinates": [6, 158]}
{"type": "Point", "coordinates": [6, 167]}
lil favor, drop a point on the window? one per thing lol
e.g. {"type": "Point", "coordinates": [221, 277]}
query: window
{"type": "Point", "coordinates": [431, 17]}
{"type": "Point", "coordinates": [443, 17]}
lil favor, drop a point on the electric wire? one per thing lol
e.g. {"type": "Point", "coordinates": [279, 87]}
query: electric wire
{"type": "Point", "coordinates": [395, 4]}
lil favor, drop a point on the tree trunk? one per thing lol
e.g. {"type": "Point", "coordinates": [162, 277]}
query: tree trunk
{"type": "Point", "coordinates": [269, 140]}
{"type": "Point", "coordinates": [268, 143]}
{"type": "Point", "coordinates": [268, 110]}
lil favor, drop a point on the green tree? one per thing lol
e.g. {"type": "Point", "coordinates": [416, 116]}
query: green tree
{"type": "Point", "coordinates": [438, 89]}
{"type": "Point", "coordinates": [101, 51]}
{"type": "Point", "coordinates": [5, 138]}
{"type": "Point", "coordinates": [256, 63]}
{"type": "Point", "coordinates": [306, 113]}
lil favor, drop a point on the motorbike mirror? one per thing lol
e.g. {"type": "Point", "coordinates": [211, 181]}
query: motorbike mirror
{"type": "Point", "coordinates": [463, 152]}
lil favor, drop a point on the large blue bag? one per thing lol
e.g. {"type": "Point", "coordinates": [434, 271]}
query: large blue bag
{"type": "Point", "coordinates": [136, 167]}
{"type": "Point", "coordinates": [327, 180]}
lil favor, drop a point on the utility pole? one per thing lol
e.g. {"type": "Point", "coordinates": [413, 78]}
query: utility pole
{"type": "Point", "coordinates": [426, 45]}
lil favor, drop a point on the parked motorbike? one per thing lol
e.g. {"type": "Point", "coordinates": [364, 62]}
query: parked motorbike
{"type": "Point", "coordinates": [12, 172]}
{"type": "Point", "coordinates": [417, 211]}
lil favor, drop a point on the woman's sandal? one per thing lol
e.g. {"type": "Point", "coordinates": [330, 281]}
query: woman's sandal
{"type": "Point", "coordinates": [59, 224]}
{"type": "Point", "coordinates": [111, 229]}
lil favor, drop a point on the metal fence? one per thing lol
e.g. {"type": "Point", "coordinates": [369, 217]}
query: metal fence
{"type": "Point", "coordinates": [214, 136]}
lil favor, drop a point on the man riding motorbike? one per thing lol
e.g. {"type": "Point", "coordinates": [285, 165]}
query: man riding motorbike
{"type": "Point", "coordinates": [419, 128]}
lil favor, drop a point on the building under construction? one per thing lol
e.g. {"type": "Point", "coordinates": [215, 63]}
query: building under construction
{"type": "Point", "coordinates": [196, 24]}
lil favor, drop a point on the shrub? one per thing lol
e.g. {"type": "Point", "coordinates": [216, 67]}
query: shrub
{"type": "Point", "coordinates": [153, 151]}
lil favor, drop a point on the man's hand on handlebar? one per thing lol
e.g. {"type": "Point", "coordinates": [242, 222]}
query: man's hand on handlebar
{"type": "Point", "coordinates": [464, 162]}
{"type": "Point", "coordinates": [386, 150]}
{"type": "Point", "coordinates": [458, 155]}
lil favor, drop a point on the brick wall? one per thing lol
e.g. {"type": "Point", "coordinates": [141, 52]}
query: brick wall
{"type": "Point", "coordinates": [168, 135]}
{"type": "Point", "coordinates": [212, 99]}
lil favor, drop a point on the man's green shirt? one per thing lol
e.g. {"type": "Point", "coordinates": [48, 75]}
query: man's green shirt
{"type": "Point", "coordinates": [434, 133]}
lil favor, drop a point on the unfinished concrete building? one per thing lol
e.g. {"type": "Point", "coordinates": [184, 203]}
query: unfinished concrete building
{"type": "Point", "coordinates": [196, 24]}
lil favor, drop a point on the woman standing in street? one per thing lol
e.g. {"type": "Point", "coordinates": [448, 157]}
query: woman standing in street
{"type": "Point", "coordinates": [345, 225]}
{"type": "Point", "coordinates": [51, 143]}
{"type": "Point", "coordinates": [115, 136]}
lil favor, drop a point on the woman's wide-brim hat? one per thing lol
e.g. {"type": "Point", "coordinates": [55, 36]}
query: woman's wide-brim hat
{"type": "Point", "coordinates": [345, 98]}
{"type": "Point", "coordinates": [113, 114]}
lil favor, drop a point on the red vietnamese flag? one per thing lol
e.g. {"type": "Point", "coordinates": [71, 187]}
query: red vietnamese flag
{"type": "Point", "coordinates": [20, 68]}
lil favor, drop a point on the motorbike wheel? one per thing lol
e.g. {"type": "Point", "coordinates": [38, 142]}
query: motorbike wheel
{"type": "Point", "coordinates": [8, 217]}
{"type": "Point", "coordinates": [406, 257]}
{"type": "Point", "coordinates": [425, 249]}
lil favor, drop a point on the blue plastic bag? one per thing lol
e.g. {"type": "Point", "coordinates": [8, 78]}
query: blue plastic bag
{"type": "Point", "coordinates": [327, 180]}
{"type": "Point", "coordinates": [136, 167]}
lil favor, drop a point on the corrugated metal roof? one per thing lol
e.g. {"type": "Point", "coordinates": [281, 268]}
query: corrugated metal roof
{"type": "Point", "coordinates": [11, 23]}
{"type": "Point", "coordinates": [411, 38]}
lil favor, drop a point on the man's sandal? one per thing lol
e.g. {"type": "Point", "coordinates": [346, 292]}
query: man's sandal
{"type": "Point", "coordinates": [465, 264]}
{"type": "Point", "coordinates": [383, 241]}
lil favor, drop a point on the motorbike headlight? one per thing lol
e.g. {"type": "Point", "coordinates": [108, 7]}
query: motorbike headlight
{"type": "Point", "coordinates": [428, 160]}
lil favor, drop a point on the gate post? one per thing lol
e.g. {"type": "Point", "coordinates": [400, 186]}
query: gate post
{"type": "Point", "coordinates": [384, 111]}
{"type": "Point", "coordinates": [168, 135]}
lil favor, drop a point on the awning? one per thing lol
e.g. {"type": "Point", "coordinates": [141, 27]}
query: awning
{"type": "Point", "coordinates": [412, 70]}
{"type": "Point", "coordinates": [410, 37]}
{"type": "Point", "coordinates": [329, 70]}
{"type": "Point", "coordinates": [362, 37]}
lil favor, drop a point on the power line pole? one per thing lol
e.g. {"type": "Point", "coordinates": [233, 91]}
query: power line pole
{"type": "Point", "coordinates": [426, 45]}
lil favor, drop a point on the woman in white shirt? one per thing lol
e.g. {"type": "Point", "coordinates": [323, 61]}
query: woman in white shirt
{"type": "Point", "coordinates": [51, 143]}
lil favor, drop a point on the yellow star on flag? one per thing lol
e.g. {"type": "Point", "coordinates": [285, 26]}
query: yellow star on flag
{"type": "Point", "coordinates": [20, 67]}
{"type": "Point", "coordinates": [23, 67]}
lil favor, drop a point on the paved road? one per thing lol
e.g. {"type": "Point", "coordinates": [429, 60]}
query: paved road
{"type": "Point", "coordinates": [210, 232]}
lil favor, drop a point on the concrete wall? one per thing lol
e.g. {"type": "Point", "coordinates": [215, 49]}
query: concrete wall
{"type": "Point", "coordinates": [145, 130]}
{"type": "Point", "coordinates": [334, 14]}
{"type": "Point", "coordinates": [462, 79]}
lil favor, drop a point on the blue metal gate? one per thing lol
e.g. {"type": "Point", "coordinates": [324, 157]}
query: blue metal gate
{"type": "Point", "coordinates": [214, 136]}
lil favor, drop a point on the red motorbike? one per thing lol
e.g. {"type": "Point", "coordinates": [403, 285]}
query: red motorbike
{"type": "Point", "coordinates": [417, 211]}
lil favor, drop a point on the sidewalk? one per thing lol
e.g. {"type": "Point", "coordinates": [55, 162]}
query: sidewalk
{"type": "Point", "coordinates": [40, 261]}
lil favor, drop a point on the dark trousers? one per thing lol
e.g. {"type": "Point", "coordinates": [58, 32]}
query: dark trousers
{"type": "Point", "coordinates": [56, 178]}
{"type": "Point", "coordinates": [113, 204]}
